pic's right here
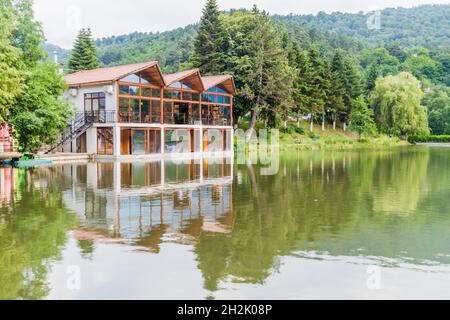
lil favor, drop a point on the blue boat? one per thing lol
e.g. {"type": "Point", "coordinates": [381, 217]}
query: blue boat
{"type": "Point", "coordinates": [26, 161]}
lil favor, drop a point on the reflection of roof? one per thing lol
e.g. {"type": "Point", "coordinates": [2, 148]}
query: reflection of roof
{"type": "Point", "coordinates": [106, 75]}
{"type": "Point", "coordinates": [152, 71]}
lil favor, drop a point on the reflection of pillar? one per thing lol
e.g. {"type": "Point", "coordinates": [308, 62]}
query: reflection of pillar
{"type": "Point", "coordinates": [163, 173]}
{"type": "Point", "coordinates": [116, 134]}
{"type": "Point", "coordinates": [163, 141]}
{"type": "Point", "coordinates": [92, 178]}
{"type": "Point", "coordinates": [117, 174]}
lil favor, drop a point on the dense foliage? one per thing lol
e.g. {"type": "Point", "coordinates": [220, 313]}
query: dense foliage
{"type": "Point", "coordinates": [33, 105]}
{"type": "Point", "coordinates": [427, 26]}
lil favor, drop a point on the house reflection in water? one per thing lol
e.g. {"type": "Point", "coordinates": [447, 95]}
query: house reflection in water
{"type": "Point", "coordinates": [145, 204]}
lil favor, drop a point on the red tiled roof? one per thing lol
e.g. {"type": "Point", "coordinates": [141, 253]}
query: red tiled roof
{"type": "Point", "coordinates": [175, 77]}
{"type": "Point", "coordinates": [106, 75]}
{"type": "Point", "coordinates": [112, 74]}
{"type": "Point", "coordinates": [212, 81]}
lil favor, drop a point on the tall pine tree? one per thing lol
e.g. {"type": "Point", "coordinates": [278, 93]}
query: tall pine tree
{"type": "Point", "coordinates": [318, 86]}
{"type": "Point", "coordinates": [211, 44]}
{"type": "Point", "coordinates": [84, 54]}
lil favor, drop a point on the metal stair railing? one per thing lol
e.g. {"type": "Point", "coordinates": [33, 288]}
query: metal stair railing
{"type": "Point", "coordinates": [83, 121]}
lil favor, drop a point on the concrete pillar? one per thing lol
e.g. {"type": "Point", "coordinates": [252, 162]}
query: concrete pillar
{"type": "Point", "coordinates": [91, 141]}
{"type": "Point", "coordinates": [116, 131]}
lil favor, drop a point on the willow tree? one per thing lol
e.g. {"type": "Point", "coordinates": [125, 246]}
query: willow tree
{"type": "Point", "coordinates": [396, 101]}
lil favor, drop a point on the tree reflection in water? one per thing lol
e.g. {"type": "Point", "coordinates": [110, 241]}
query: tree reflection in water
{"type": "Point", "coordinates": [389, 205]}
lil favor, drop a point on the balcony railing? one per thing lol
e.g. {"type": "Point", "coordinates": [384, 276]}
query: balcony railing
{"type": "Point", "coordinates": [153, 118]}
{"type": "Point", "coordinates": [136, 117]}
{"type": "Point", "coordinates": [96, 116]}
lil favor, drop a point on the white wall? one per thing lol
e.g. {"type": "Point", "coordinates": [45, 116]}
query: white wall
{"type": "Point", "coordinates": [78, 101]}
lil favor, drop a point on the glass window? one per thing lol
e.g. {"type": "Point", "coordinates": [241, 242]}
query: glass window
{"type": "Point", "coordinates": [134, 91]}
{"type": "Point", "coordinates": [156, 111]}
{"type": "Point", "coordinates": [205, 98]}
{"type": "Point", "coordinates": [94, 102]}
{"type": "Point", "coordinates": [186, 86]}
{"type": "Point", "coordinates": [187, 96]}
{"type": "Point", "coordinates": [105, 141]}
{"type": "Point", "coordinates": [195, 96]}
{"type": "Point", "coordinates": [139, 145]}
{"type": "Point", "coordinates": [145, 111]}
{"type": "Point", "coordinates": [146, 92]}
{"type": "Point", "coordinates": [124, 89]}
{"type": "Point", "coordinates": [133, 78]}
{"type": "Point", "coordinates": [156, 93]}
{"type": "Point", "coordinates": [219, 99]}
{"type": "Point", "coordinates": [134, 103]}
{"type": "Point", "coordinates": [220, 90]}
{"type": "Point", "coordinates": [176, 85]}
{"type": "Point", "coordinates": [227, 100]}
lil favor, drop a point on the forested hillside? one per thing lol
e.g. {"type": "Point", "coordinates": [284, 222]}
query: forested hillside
{"type": "Point", "coordinates": [334, 64]}
{"type": "Point", "coordinates": [427, 26]}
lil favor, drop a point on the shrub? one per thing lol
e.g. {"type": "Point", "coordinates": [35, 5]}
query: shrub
{"type": "Point", "coordinates": [429, 138]}
{"type": "Point", "coordinates": [292, 129]}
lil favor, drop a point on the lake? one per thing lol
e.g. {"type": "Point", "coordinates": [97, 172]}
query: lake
{"type": "Point", "coordinates": [326, 225]}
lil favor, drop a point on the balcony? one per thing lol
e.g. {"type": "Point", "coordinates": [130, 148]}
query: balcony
{"type": "Point", "coordinates": [176, 118]}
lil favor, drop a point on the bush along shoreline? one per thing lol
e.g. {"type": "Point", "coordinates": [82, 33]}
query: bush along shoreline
{"type": "Point", "coordinates": [429, 139]}
{"type": "Point", "coordinates": [295, 137]}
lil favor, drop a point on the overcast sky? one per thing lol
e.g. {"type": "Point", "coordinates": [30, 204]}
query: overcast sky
{"type": "Point", "coordinates": [63, 18]}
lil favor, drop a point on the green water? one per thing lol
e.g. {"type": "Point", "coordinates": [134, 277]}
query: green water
{"type": "Point", "coordinates": [324, 226]}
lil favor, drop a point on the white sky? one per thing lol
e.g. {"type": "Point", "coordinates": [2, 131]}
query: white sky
{"type": "Point", "coordinates": [63, 18]}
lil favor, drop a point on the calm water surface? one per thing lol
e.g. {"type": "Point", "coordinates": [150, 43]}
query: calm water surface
{"type": "Point", "coordinates": [351, 225]}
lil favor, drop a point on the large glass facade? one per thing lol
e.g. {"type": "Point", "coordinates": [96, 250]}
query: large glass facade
{"type": "Point", "coordinates": [140, 102]}
{"type": "Point", "coordinates": [105, 141]}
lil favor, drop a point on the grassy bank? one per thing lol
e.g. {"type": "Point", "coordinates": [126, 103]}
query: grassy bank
{"type": "Point", "coordinates": [302, 139]}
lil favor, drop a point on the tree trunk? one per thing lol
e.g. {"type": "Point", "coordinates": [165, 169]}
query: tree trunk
{"type": "Point", "coordinates": [345, 126]}
{"type": "Point", "coordinates": [311, 125]}
{"type": "Point", "coordinates": [334, 122]}
{"type": "Point", "coordinates": [298, 123]}
{"type": "Point", "coordinates": [252, 125]}
{"type": "Point", "coordinates": [323, 122]}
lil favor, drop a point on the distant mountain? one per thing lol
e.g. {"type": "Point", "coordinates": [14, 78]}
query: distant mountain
{"type": "Point", "coordinates": [427, 26]}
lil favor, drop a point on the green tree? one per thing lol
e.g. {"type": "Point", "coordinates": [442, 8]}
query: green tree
{"type": "Point", "coordinates": [422, 66]}
{"type": "Point", "coordinates": [11, 78]}
{"type": "Point", "coordinates": [261, 68]}
{"type": "Point", "coordinates": [302, 83]}
{"type": "Point", "coordinates": [438, 103]}
{"type": "Point", "coordinates": [362, 118]}
{"type": "Point", "coordinates": [372, 74]}
{"type": "Point", "coordinates": [210, 46]}
{"type": "Point", "coordinates": [396, 101]}
{"type": "Point", "coordinates": [84, 53]}
{"type": "Point", "coordinates": [38, 113]}
{"type": "Point", "coordinates": [319, 86]}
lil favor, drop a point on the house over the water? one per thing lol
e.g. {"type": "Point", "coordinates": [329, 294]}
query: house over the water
{"type": "Point", "coordinates": [136, 110]}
